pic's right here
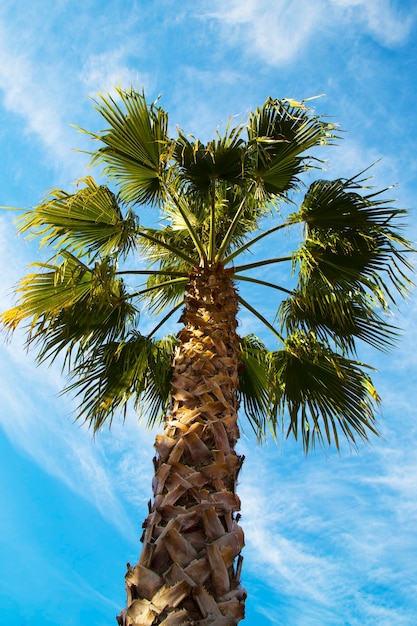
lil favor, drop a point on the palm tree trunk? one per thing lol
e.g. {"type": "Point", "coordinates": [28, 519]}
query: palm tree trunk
{"type": "Point", "coordinates": [189, 568]}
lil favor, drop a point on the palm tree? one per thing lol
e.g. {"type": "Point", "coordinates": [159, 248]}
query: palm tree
{"type": "Point", "coordinates": [214, 201]}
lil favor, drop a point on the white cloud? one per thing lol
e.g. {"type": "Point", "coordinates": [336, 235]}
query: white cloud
{"type": "Point", "coordinates": [48, 97]}
{"type": "Point", "coordinates": [102, 72]}
{"type": "Point", "coordinates": [38, 423]}
{"type": "Point", "coordinates": [329, 532]}
{"type": "Point", "coordinates": [30, 91]}
{"type": "Point", "coordinates": [388, 25]}
{"type": "Point", "coordinates": [278, 33]}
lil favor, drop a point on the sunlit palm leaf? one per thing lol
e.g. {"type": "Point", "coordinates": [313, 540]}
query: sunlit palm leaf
{"type": "Point", "coordinates": [87, 222]}
{"type": "Point", "coordinates": [338, 316]}
{"type": "Point", "coordinates": [48, 291]}
{"type": "Point", "coordinates": [167, 248]}
{"type": "Point", "coordinates": [136, 146]}
{"type": "Point", "coordinates": [279, 133]}
{"type": "Point", "coordinates": [70, 304]}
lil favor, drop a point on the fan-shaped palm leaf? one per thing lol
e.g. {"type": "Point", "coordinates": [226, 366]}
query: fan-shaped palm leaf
{"type": "Point", "coordinates": [322, 391]}
{"type": "Point", "coordinates": [70, 304]}
{"type": "Point", "coordinates": [113, 373]}
{"type": "Point", "coordinates": [87, 222]}
{"type": "Point", "coordinates": [279, 133]}
{"type": "Point", "coordinates": [136, 146]}
{"type": "Point", "coordinates": [337, 316]}
{"type": "Point", "coordinates": [203, 165]}
{"type": "Point", "coordinates": [352, 242]}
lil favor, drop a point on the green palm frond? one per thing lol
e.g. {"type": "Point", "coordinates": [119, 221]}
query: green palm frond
{"type": "Point", "coordinates": [254, 383]}
{"type": "Point", "coordinates": [337, 315]}
{"type": "Point", "coordinates": [352, 242]}
{"type": "Point", "coordinates": [201, 166]}
{"type": "Point", "coordinates": [354, 261]}
{"type": "Point", "coordinates": [70, 304]}
{"type": "Point", "coordinates": [136, 146]}
{"type": "Point", "coordinates": [168, 247]}
{"type": "Point", "coordinates": [279, 133]}
{"type": "Point", "coordinates": [48, 291]}
{"type": "Point", "coordinates": [89, 221]}
{"type": "Point", "coordinates": [345, 203]}
{"type": "Point", "coordinates": [162, 294]}
{"type": "Point", "coordinates": [186, 222]}
{"type": "Point", "coordinates": [137, 369]}
{"type": "Point", "coordinates": [323, 392]}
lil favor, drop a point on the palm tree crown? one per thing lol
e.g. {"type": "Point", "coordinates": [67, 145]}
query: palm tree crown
{"type": "Point", "coordinates": [214, 201]}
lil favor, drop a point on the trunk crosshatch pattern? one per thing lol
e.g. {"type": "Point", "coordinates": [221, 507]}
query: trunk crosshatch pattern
{"type": "Point", "coordinates": [215, 202]}
{"type": "Point", "coordinates": [191, 558]}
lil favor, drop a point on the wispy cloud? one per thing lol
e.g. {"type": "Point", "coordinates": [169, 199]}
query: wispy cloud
{"type": "Point", "coordinates": [276, 32]}
{"type": "Point", "coordinates": [390, 25]}
{"type": "Point", "coordinates": [321, 532]}
{"type": "Point", "coordinates": [47, 96]}
{"type": "Point", "coordinates": [102, 72]}
{"type": "Point", "coordinates": [58, 446]}
{"type": "Point", "coordinates": [279, 33]}
{"type": "Point", "coordinates": [32, 91]}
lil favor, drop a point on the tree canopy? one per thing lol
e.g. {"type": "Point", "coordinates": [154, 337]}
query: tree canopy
{"type": "Point", "coordinates": [215, 202]}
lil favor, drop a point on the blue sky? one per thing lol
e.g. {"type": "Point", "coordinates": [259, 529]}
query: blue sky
{"type": "Point", "coordinates": [330, 540]}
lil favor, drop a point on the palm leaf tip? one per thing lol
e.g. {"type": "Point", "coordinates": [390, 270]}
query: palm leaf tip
{"type": "Point", "coordinates": [254, 383]}
{"type": "Point", "coordinates": [136, 369]}
{"type": "Point", "coordinates": [280, 132]}
{"type": "Point", "coordinates": [323, 392]}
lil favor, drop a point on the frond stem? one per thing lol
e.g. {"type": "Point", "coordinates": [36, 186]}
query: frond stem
{"type": "Point", "coordinates": [173, 195]}
{"type": "Point", "coordinates": [261, 318]}
{"type": "Point", "coordinates": [228, 236]}
{"type": "Point", "coordinates": [253, 241]}
{"type": "Point", "coordinates": [167, 246]}
{"type": "Point", "coordinates": [154, 287]}
{"type": "Point", "coordinates": [262, 282]}
{"type": "Point", "coordinates": [250, 266]}
{"type": "Point", "coordinates": [212, 235]}
{"type": "Point", "coordinates": [165, 318]}
{"type": "Point", "coordinates": [153, 273]}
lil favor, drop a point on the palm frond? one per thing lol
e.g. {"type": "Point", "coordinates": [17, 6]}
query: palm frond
{"type": "Point", "coordinates": [136, 146]}
{"type": "Point", "coordinates": [87, 222]}
{"type": "Point", "coordinates": [279, 133]}
{"type": "Point", "coordinates": [202, 165]}
{"type": "Point", "coordinates": [161, 294]}
{"type": "Point", "coordinates": [137, 369]}
{"type": "Point", "coordinates": [167, 246]}
{"type": "Point", "coordinates": [69, 304]}
{"type": "Point", "coordinates": [352, 242]}
{"type": "Point", "coordinates": [337, 315]}
{"type": "Point", "coordinates": [323, 392]}
{"type": "Point", "coordinates": [254, 383]}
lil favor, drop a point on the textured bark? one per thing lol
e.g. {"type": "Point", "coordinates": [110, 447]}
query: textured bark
{"type": "Point", "coordinates": [189, 568]}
